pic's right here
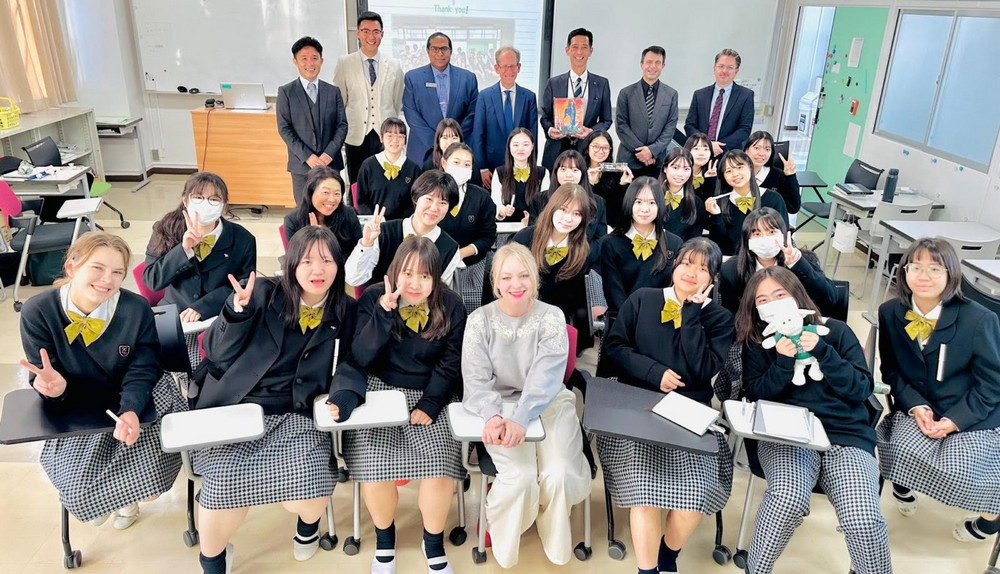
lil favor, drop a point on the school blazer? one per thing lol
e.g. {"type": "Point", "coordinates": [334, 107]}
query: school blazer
{"type": "Point", "coordinates": [489, 138]}
{"type": "Point", "coordinates": [737, 118]}
{"type": "Point", "coordinates": [363, 115]}
{"type": "Point", "coordinates": [969, 390]}
{"type": "Point", "coordinates": [240, 348]}
{"type": "Point", "coordinates": [632, 122]}
{"type": "Point", "coordinates": [423, 112]}
{"type": "Point", "coordinates": [205, 289]}
{"type": "Point", "coordinates": [295, 124]}
{"type": "Point", "coordinates": [597, 118]}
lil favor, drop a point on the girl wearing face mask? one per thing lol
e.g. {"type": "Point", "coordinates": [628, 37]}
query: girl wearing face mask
{"type": "Point", "coordinates": [764, 242]}
{"type": "Point", "coordinates": [760, 147]}
{"type": "Point", "coordinates": [848, 472]}
{"type": "Point", "coordinates": [736, 197]}
{"type": "Point", "coordinates": [386, 177]}
{"type": "Point", "coordinates": [684, 214]}
{"type": "Point", "coordinates": [609, 185]}
{"type": "Point", "coordinates": [571, 168]}
{"type": "Point", "coordinates": [193, 251]}
{"type": "Point", "coordinates": [516, 184]}
{"type": "Point", "coordinates": [323, 205]}
{"type": "Point", "coordinates": [703, 173]}
{"type": "Point", "coordinates": [673, 340]}
{"type": "Point", "coordinates": [409, 338]}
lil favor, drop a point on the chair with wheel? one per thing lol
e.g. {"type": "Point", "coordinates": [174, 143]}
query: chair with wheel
{"type": "Point", "coordinates": [860, 173]}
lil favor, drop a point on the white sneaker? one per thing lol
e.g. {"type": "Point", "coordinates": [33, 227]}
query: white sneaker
{"type": "Point", "coordinates": [383, 567]}
{"type": "Point", "coordinates": [966, 531]}
{"type": "Point", "coordinates": [100, 520]}
{"type": "Point", "coordinates": [303, 552]}
{"type": "Point", "coordinates": [439, 560]}
{"type": "Point", "coordinates": [229, 557]}
{"type": "Point", "coordinates": [906, 507]}
{"type": "Point", "coordinates": [126, 517]}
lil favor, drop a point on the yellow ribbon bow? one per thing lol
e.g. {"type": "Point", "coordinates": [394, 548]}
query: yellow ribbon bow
{"type": "Point", "coordinates": [745, 203]}
{"type": "Point", "coordinates": [919, 326]}
{"type": "Point", "coordinates": [88, 327]}
{"type": "Point", "coordinates": [521, 174]}
{"type": "Point", "coordinates": [391, 170]}
{"type": "Point", "coordinates": [554, 254]}
{"type": "Point", "coordinates": [673, 199]}
{"type": "Point", "coordinates": [415, 316]}
{"type": "Point", "coordinates": [309, 317]}
{"type": "Point", "coordinates": [698, 180]}
{"type": "Point", "coordinates": [454, 211]}
{"type": "Point", "coordinates": [642, 247]}
{"type": "Point", "coordinates": [204, 247]}
{"type": "Point", "coordinates": [409, 235]}
{"type": "Point", "coordinates": [671, 312]}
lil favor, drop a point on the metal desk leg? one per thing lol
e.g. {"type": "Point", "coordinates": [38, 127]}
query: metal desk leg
{"type": "Point", "coordinates": [879, 269]}
{"type": "Point", "coordinates": [142, 161]}
{"type": "Point", "coordinates": [828, 240]}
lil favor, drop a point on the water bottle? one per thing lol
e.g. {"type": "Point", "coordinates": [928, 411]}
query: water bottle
{"type": "Point", "coordinates": [890, 185]}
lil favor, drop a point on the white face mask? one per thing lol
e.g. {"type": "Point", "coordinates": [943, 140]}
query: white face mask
{"type": "Point", "coordinates": [768, 311]}
{"type": "Point", "coordinates": [765, 247]}
{"type": "Point", "coordinates": [461, 174]}
{"type": "Point", "coordinates": [202, 212]}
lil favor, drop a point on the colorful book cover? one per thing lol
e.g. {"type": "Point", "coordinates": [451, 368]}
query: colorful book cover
{"type": "Point", "coordinates": [568, 114]}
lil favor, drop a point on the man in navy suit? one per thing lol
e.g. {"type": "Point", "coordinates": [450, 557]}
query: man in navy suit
{"type": "Point", "coordinates": [501, 108]}
{"type": "Point", "coordinates": [724, 110]}
{"type": "Point", "coordinates": [434, 92]}
{"type": "Point", "coordinates": [577, 83]}
{"type": "Point", "coordinates": [311, 118]}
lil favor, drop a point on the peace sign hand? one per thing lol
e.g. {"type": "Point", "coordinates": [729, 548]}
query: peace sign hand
{"type": "Point", "coordinates": [789, 163]}
{"type": "Point", "coordinates": [371, 230]}
{"type": "Point", "coordinates": [389, 301]}
{"type": "Point", "coordinates": [792, 254]}
{"type": "Point", "coordinates": [710, 170]}
{"type": "Point", "coordinates": [48, 381]}
{"type": "Point", "coordinates": [700, 296]}
{"type": "Point", "coordinates": [241, 295]}
{"type": "Point", "coordinates": [191, 235]}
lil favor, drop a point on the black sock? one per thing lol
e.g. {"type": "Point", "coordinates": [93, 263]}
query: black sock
{"type": "Point", "coordinates": [666, 561]}
{"type": "Point", "coordinates": [306, 533]}
{"type": "Point", "coordinates": [434, 548]}
{"type": "Point", "coordinates": [213, 565]}
{"type": "Point", "coordinates": [902, 493]}
{"type": "Point", "coordinates": [987, 526]}
{"type": "Point", "coordinates": [647, 571]}
{"type": "Point", "coordinates": [385, 540]}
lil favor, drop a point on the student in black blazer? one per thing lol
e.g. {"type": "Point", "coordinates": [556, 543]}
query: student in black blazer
{"type": "Point", "coordinates": [311, 117]}
{"type": "Point", "coordinates": [848, 471]}
{"type": "Point", "coordinates": [89, 343]}
{"type": "Point", "coordinates": [608, 185]}
{"type": "Point", "coordinates": [760, 147]}
{"type": "Point", "coordinates": [385, 178]}
{"type": "Point", "coordinates": [684, 212]}
{"type": "Point", "coordinates": [193, 250]}
{"type": "Point", "coordinates": [730, 130]}
{"type": "Point", "coordinates": [593, 89]}
{"type": "Point", "coordinates": [571, 168]}
{"type": "Point", "coordinates": [703, 174]}
{"type": "Point", "coordinates": [737, 196]}
{"type": "Point", "coordinates": [448, 132]}
{"type": "Point", "coordinates": [941, 356]}
{"type": "Point", "coordinates": [519, 180]}
{"type": "Point", "coordinates": [323, 204]}
{"type": "Point", "coordinates": [273, 345]}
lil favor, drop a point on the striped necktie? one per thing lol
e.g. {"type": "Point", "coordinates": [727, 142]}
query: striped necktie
{"type": "Point", "coordinates": [577, 89]}
{"type": "Point", "coordinates": [650, 97]}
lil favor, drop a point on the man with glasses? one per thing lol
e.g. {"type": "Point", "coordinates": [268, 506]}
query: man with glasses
{"type": "Point", "coordinates": [434, 92]}
{"type": "Point", "coordinates": [372, 86]}
{"type": "Point", "coordinates": [646, 117]}
{"type": "Point", "coordinates": [578, 82]}
{"type": "Point", "coordinates": [500, 109]}
{"type": "Point", "coordinates": [724, 110]}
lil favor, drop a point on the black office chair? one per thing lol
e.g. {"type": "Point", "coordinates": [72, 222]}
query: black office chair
{"type": "Point", "coordinates": [860, 173]}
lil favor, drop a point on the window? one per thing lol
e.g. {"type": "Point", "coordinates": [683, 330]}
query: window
{"type": "Point", "coordinates": [943, 85]}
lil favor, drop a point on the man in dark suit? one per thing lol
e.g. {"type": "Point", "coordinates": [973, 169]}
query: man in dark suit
{"type": "Point", "coordinates": [311, 116]}
{"type": "Point", "coordinates": [646, 117]}
{"type": "Point", "coordinates": [724, 110]}
{"type": "Point", "coordinates": [577, 83]}
{"type": "Point", "coordinates": [434, 92]}
{"type": "Point", "coordinates": [500, 109]}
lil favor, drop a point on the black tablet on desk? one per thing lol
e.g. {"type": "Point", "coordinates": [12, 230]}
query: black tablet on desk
{"type": "Point", "coordinates": [27, 417]}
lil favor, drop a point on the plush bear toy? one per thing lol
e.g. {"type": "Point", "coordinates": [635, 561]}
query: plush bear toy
{"type": "Point", "coordinates": [789, 325]}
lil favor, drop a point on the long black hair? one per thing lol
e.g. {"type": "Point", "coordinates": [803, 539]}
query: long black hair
{"type": "Point", "coordinates": [507, 183]}
{"type": "Point", "coordinates": [734, 157]}
{"type": "Point", "coordinates": [689, 203]}
{"type": "Point", "coordinates": [746, 260]}
{"type": "Point", "coordinates": [298, 247]}
{"type": "Point", "coordinates": [339, 221]}
{"type": "Point", "coordinates": [662, 254]}
{"type": "Point", "coordinates": [421, 253]}
{"type": "Point", "coordinates": [169, 231]}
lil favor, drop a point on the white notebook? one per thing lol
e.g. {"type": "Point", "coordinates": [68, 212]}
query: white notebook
{"type": "Point", "coordinates": [783, 421]}
{"type": "Point", "coordinates": [686, 412]}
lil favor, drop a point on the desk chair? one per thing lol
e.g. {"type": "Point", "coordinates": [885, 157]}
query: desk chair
{"type": "Point", "coordinates": [284, 240]}
{"type": "Point", "coordinates": [354, 195]}
{"type": "Point", "coordinates": [859, 172]}
{"type": "Point", "coordinates": [873, 237]}
{"type": "Point", "coordinates": [595, 298]}
{"type": "Point", "coordinates": [152, 296]}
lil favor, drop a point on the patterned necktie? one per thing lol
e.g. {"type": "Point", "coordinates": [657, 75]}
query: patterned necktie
{"type": "Point", "coordinates": [713, 122]}
{"type": "Point", "coordinates": [88, 327]}
{"type": "Point", "coordinates": [508, 113]}
{"type": "Point", "coordinates": [918, 326]}
{"type": "Point", "coordinates": [745, 203]}
{"type": "Point", "coordinates": [442, 93]}
{"type": "Point", "coordinates": [555, 254]}
{"type": "Point", "coordinates": [415, 316]}
{"type": "Point", "coordinates": [371, 70]}
{"type": "Point", "coordinates": [578, 88]}
{"type": "Point", "coordinates": [673, 199]}
{"type": "Point", "coordinates": [671, 312]}
{"type": "Point", "coordinates": [391, 170]}
{"type": "Point", "coordinates": [309, 317]}
{"type": "Point", "coordinates": [698, 180]}
{"type": "Point", "coordinates": [650, 98]}
{"type": "Point", "coordinates": [521, 174]}
{"type": "Point", "coordinates": [642, 247]}
{"type": "Point", "coordinates": [311, 91]}
{"type": "Point", "coordinates": [204, 247]}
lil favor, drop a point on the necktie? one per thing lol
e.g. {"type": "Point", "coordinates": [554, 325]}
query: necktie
{"type": "Point", "coordinates": [508, 113]}
{"type": "Point", "coordinates": [698, 180]}
{"type": "Point", "coordinates": [454, 211]}
{"type": "Point", "coordinates": [311, 91]}
{"type": "Point", "coordinates": [577, 89]}
{"type": "Point", "coordinates": [554, 254]}
{"type": "Point", "coordinates": [89, 328]}
{"type": "Point", "coordinates": [442, 92]}
{"type": "Point", "coordinates": [650, 96]}
{"type": "Point", "coordinates": [671, 312]}
{"type": "Point", "coordinates": [204, 247]}
{"type": "Point", "coordinates": [409, 235]}
{"type": "Point", "coordinates": [673, 199]}
{"type": "Point", "coordinates": [919, 326]}
{"type": "Point", "coordinates": [415, 316]}
{"type": "Point", "coordinates": [371, 71]}
{"type": "Point", "coordinates": [642, 247]}
{"type": "Point", "coordinates": [521, 174]}
{"type": "Point", "coordinates": [713, 121]}
{"type": "Point", "coordinates": [745, 203]}
{"type": "Point", "coordinates": [309, 317]}
{"type": "Point", "coordinates": [391, 170]}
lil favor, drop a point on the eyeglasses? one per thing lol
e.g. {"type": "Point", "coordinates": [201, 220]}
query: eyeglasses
{"type": "Point", "coordinates": [198, 200]}
{"type": "Point", "coordinates": [505, 68]}
{"type": "Point", "coordinates": [439, 49]}
{"type": "Point", "coordinates": [602, 148]}
{"type": "Point", "coordinates": [722, 68]}
{"type": "Point", "coordinates": [932, 271]}
{"type": "Point", "coordinates": [367, 32]}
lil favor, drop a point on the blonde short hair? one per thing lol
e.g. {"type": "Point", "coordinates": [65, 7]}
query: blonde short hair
{"type": "Point", "coordinates": [84, 247]}
{"type": "Point", "coordinates": [523, 256]}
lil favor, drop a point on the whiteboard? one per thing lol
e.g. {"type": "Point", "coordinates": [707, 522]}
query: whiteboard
{"type": "Point", "coordinates": [203, 43]}
{"type": "Point", "coordinates": [692, 33]}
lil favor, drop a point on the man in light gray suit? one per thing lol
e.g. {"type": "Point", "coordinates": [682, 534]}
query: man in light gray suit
{"type": "Point", "coordinates": [646, 117]}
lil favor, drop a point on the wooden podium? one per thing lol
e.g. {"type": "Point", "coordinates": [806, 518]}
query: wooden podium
{"type": "Point", "coordinates": [244, 148]}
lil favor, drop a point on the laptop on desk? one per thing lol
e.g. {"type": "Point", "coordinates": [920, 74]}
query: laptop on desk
{"type": "Point", "coordinates": [243, 96]}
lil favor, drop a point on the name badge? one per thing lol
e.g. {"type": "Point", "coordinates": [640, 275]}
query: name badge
{"type": "Point", "coordinates": [430, 84]}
